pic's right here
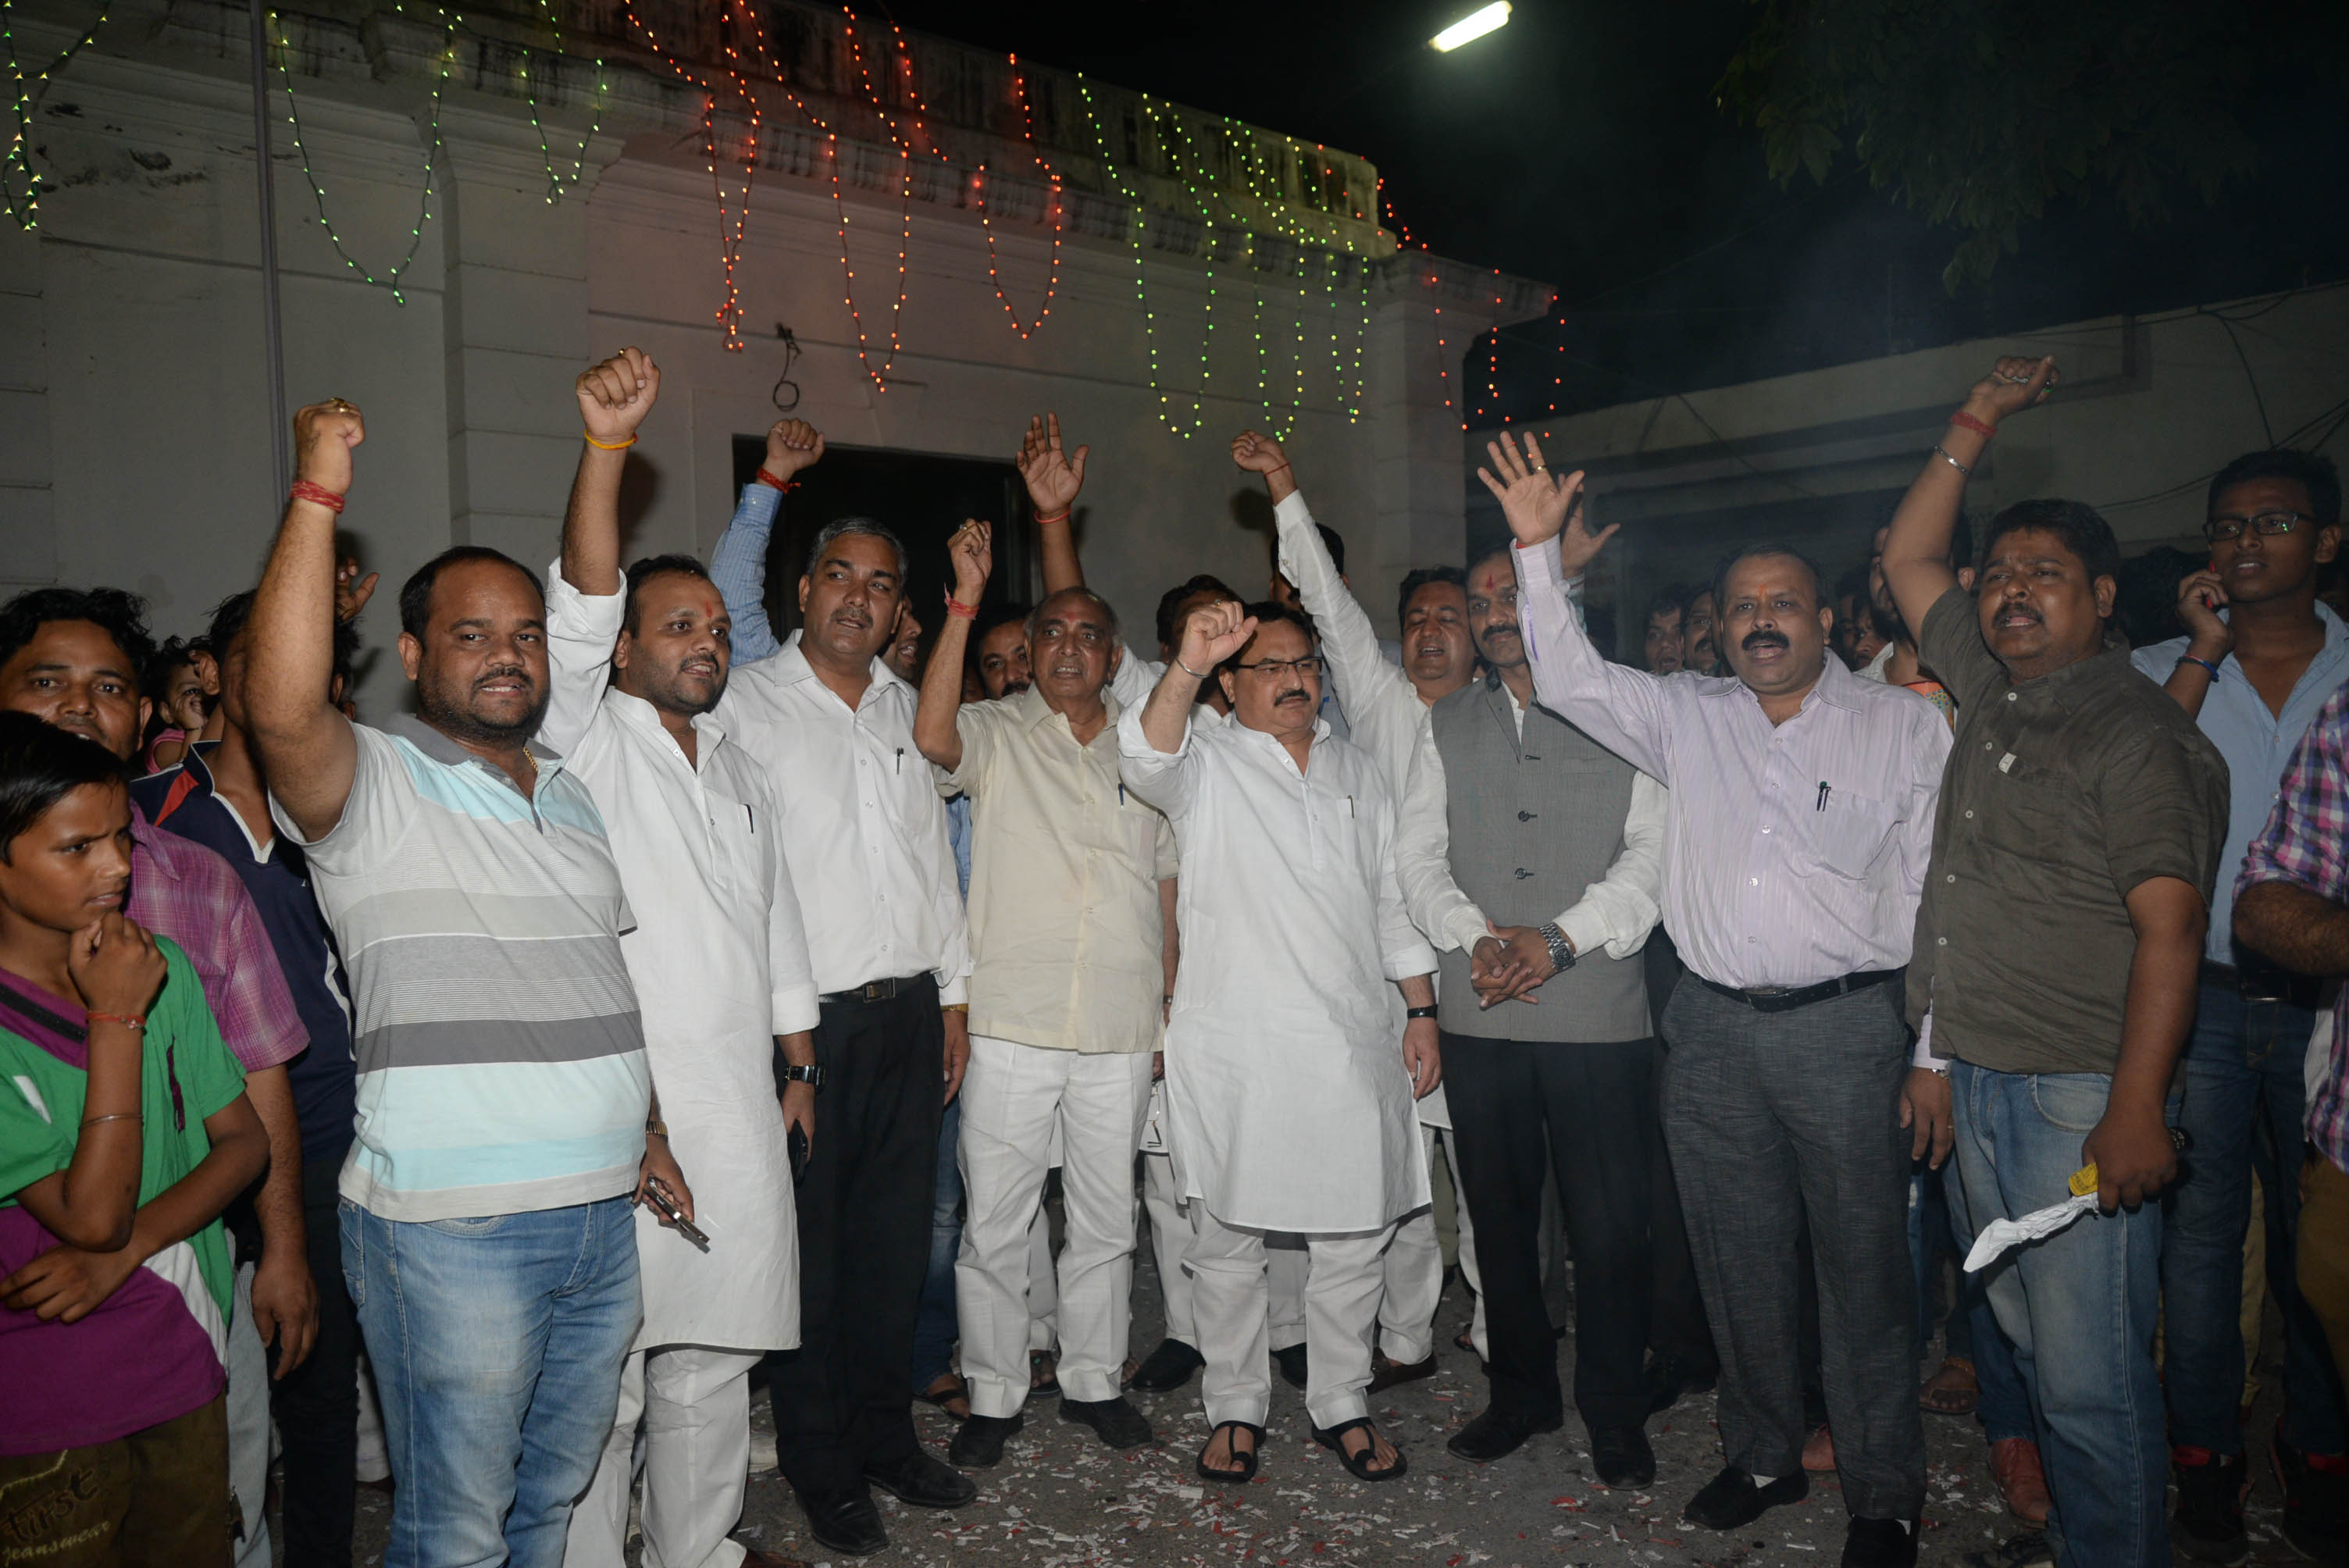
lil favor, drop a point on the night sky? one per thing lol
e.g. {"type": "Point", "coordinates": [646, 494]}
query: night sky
{"type": "Point", "coordinates": [1581, 145]}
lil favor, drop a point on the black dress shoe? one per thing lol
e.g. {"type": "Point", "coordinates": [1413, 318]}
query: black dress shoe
{"type": "Point", "coordinates": [1621, 1456]}
{"type": "Point", "coordinates": [1167, 1368]}
{"type": "Point", "coordinates": [1114, 1421]}
{"type": "Point", "coordinates": [978, 1442]}
{"type": "Point", "coordinates": [1881, 1544]}
{"type": "Point", "coordinates": [921, 1481]}
{"type": "Point", "coordinates": [1290, 1359]}
{"type": "Point", "coordinates": [846, 1521]}
{"type": "Point", "coordinates": [1496, 1433]}
{"type": "Point", "coordinates": [1386, 1372]}
{"type": "Point", "coordinates": [1731, 1498]}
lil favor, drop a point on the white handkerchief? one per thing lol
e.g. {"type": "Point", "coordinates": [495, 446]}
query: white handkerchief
{"type": "Point", "coordinates": [2001, 1235]}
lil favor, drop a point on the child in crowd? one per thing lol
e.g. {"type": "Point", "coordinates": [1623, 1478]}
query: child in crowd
{"type": "Point", "coordinates": [184, 681]}
{"type": "Point", "coordinates": [124, 1130]}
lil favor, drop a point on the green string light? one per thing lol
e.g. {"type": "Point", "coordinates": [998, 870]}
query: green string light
{"type": "Point", "coordinates": [390, 280]}
{"type": "Point", "coordinates": [558, 184]}
{"type": "Point", "coordinates": [20, 182]}
{"type": "Point", "coordinates": [1141, 278]}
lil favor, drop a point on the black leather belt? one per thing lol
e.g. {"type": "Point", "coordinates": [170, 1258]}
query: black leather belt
{"type": "Point", "coordinates": [1785, 999]}
{"type": "Point", "coordinates": [878, 990]}
{"type": "Point", "coordinates": [2265, 985]}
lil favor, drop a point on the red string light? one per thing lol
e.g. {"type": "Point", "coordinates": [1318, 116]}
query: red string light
{"type": "Point", "coordinates": [987, 222]}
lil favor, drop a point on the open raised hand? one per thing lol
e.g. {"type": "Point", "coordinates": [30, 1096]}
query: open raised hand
{"type": "Point", "coordinates": [1053, 478]}
{"type": "Point", "coordinates": [2015, 383]}
{"type": "Point", "coordinates": [615, 395]}
{"type": "Point", "coordinates": [793, 445]}
{"type": "Point", "coordinates": [973, 553]}
{"type": "Point", "coordinates": [324, 435]}
{"type": "Point", "coordinates": [1540, 506]}
{"type": "Point", "coordinates": [1212, 634]}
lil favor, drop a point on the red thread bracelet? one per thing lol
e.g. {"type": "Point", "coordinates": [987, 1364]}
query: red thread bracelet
{"type": "Point", "coordinates": [767, 476]}
{"type": "Point", "coordinates": [1965, 421]}
{"type": "Point", "coordinates": [128, 1020]}
{"type": "Point", "coordinates": [957, 608]}
{"type": "Point", "coordinates": [1059, 516]}
{"type": "Point", "coordinates": [319, 494]}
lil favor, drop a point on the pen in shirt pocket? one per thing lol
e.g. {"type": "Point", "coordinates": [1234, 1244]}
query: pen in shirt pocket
{"type": "Point", "coordinates": [1824, 792]}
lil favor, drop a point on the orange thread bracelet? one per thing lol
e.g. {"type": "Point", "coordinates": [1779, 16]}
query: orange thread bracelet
{"type": "Point", "coordinates": [1965, 421]}
{"type": "Point", "coordinates": [608, 446]}
{"type": "Point", "coordinates": [956, 607]}
{"type": "Point", "coordinates": [769, 477]}
{"type": "Point", "coordinates": [1059, 516]}
{"type": "Point", "coordinates": [128, 1020]}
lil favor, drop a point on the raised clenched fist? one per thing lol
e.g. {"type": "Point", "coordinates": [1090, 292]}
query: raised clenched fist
{"type": "Point", "coordinates": [324, 435]}
{"type": "Point", "coordinates": [1213, 632]}
{"type": "Point", "coordinates": [1257, 453]}
{"type": "Point", "coordinates": [793, 445]}
{"type": "Point", "coordinates": [615, 395]}
{"type": "Point", "coordinates": [2015, 383]}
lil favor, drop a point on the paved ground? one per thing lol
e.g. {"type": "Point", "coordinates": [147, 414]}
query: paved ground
{"type": "Point", "coordinates": [1059, 1500]}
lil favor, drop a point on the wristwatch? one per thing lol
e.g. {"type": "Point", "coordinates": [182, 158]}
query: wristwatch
{"type": "Point", "coordinates": [811, 1075]}
{"type": "Point", "coordinates": [1561, 951]}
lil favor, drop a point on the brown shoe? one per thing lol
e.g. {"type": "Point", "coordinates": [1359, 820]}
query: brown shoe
{"type": "Point", "coordinates": [1386, 1371]}
{"type": "Point", "coordinates": [1818, 1454]}
{"type": "Point", "coordinates": [2021, 1480]}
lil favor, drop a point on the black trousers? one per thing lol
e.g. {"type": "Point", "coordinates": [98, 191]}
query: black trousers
{"type": "Point", "coordinates": [864, 1205]}
{"type": "Point", "coordinates": [1587, 1111]}
{"type": "Point", "coordinates": [317, 1403]}
{"type": "Point", "coordinates": [1676, 1321]}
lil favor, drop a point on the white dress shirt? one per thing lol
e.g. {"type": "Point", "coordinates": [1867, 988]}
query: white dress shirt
{"type": "Point", "coordinates": [1290, 1106]}
{"type": "Point", "coordinates": [720, 966]}
{"type": "Point", "coordinates": [1795, 852]}
{"type": "Point", "coordinates": [1615, 912]}
{"type": "Point", "coordinates": [862, 825]}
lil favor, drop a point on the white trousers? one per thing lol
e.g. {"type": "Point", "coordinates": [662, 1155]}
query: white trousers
{"type": "Point", "coordinates": [1043, 1285]}
{"type": "Point", "coordinates": [1230, 1302]}
{"type": "Point", "coordinates": [248, 1425]}
{"type": "Point", "coordinates": [1170, 1241]}
{"type": "Point", "coordinates": [1012, 1096]}
{"type": "Point", "coordinates": [694, 1403]}
{"type": "Point", "coordinates": [1286, 1263]}
{"type": "Point", "coordinates": [1415, 1275]}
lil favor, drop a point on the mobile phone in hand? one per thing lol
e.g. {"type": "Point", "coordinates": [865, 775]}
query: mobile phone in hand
{"type": "Point", "coordinates": [657, 1193]}
{"type": "Point", "coordinates": [797, 1143]}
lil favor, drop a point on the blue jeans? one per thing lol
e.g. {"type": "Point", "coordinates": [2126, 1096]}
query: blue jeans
{"type": "Point", "coordinates": [2004, 1408]}
{"type": "Point", "coordinates": [496, 1345]}
{"type": "Point", "coordinates": [2243, 1069]}
{"type": "Point", "coordinates": [2079, 1307]}
{"type": "Point", "coordinates": [934, 1327]}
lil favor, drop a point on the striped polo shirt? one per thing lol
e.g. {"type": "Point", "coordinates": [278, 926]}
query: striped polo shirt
{"type": "Point", "coordinates": [501, 1056]}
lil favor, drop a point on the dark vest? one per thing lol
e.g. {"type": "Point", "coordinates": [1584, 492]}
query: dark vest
{"type": "Point", "coordinates": [1532, 826]}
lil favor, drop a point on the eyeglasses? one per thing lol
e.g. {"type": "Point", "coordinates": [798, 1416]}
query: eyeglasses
{"type": "Point", "coordinates": [1310, 665]}
{"type": "Point", "coordinates": [2267, 525]}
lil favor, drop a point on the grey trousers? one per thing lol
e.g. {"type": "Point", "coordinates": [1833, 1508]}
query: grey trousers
{"type": "Point", "coordinates": [1770, 1114]}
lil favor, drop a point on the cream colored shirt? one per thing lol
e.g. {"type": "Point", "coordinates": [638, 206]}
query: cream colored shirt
{"type": "Point", "coordinates": [1066, 930]}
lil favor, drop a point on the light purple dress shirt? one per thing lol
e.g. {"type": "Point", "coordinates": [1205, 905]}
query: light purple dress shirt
{"type": "Point", "coordinates": [1794, 853]}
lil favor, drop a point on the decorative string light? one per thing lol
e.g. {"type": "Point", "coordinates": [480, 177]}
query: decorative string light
{"type": "Point", "coordinates": [558, 184]}
{"type": "Point", "coordinates": [1134, 196]}
{"type": "Point", "coordinates": [987, 222]}
{"type": "Point", "coordinates": [24, 203]}
{"type": "Point", "coordinates": [389, 280]}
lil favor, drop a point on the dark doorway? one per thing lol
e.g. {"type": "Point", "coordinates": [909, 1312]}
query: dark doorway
{"type": "Point", "coordinates": [920, 499]}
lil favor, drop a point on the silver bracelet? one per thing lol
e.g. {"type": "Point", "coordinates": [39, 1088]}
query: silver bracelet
{"type": "Point", "coordinates": [1943, 453]}
{"type": "Point", "coordinates": [1194, 675]}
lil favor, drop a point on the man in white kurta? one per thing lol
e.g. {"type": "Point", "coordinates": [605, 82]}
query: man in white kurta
{"type": "Point", "coordinates": [1290, 1095]}
{"type": "Point", "coordinates": [1387, 706]}
{"type": "Point", "coordinates": [720, 966]}
{"type": "Point", "coordinates": [1069, 970]}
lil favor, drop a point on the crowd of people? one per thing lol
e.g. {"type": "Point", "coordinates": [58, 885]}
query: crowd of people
{"type": "Point", "coordinates": [666, 1006]}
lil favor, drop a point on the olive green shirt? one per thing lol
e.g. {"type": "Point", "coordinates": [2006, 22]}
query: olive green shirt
{"type": "Point", "coordinates": [2063, 794]}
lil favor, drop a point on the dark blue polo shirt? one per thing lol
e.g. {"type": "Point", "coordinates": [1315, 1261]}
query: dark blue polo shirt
{"type": "Point", "coordinates": [324, 1077]}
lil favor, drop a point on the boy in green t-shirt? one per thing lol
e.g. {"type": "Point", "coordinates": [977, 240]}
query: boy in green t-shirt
{"type": "Point", "coordinates": [124, 1130]}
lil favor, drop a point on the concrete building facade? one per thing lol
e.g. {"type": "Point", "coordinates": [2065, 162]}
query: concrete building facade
{"type": "Point", "coordinates": [1203, 276]}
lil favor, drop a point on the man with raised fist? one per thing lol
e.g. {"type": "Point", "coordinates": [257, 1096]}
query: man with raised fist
{"type": "Point", "coordinates": [503, 1096]}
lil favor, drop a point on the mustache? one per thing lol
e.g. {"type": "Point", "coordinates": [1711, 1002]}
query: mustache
{"type": "Point", "coordinates": [504, 673]}
{"type": "Point", "coordinates": [1292, 692]}
{"type": "Point", "coordinates": [1765, 639]}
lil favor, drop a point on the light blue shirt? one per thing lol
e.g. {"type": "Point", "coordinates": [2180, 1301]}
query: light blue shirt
{"type": "Point", "coordinates": [738, 567]}
{"type": "Point", "coordinates": [2256, 744]}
